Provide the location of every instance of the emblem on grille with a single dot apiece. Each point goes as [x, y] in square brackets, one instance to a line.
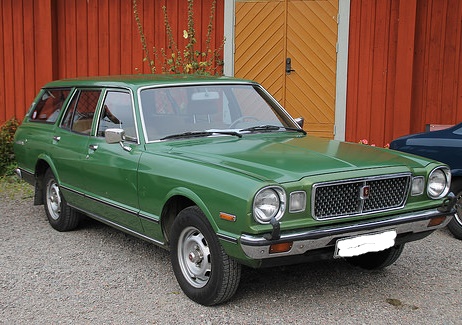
[365, 192]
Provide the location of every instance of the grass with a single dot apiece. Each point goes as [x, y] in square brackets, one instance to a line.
[11, 187]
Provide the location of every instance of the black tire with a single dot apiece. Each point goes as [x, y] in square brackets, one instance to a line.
[455, 225]
[60, 216]
[377, 260]
[205, 273]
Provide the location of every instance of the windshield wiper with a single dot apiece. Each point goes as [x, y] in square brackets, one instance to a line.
[199, 134]
[268, 128]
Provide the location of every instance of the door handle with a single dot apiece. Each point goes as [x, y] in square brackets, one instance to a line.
[93, 147]
[56, 138]
[289, 66]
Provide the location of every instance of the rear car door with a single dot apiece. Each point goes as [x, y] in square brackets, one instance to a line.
[70, 140]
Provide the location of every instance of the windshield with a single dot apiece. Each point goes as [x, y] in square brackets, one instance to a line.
[231, 108]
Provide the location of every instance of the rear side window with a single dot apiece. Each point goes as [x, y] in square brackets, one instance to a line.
[80, 112]
[50, 105]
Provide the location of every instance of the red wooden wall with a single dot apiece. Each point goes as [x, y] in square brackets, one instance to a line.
[25, 55]
[44, 40]
[404, 68]
[437, 87]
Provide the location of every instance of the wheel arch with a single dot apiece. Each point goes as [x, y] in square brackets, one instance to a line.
[180, 199]
[41, 166]
[455, 225]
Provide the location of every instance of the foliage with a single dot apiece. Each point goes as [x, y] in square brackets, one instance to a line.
[366, 142]
[7, 161]
[188, 60]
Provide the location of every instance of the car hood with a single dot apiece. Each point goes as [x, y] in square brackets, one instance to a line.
[449, 137]
[282, 158]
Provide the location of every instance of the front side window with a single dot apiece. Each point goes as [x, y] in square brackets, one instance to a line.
[50, 105]
[79, 115]
[117, 112]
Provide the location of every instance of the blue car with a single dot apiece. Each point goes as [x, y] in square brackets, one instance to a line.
[445, 146]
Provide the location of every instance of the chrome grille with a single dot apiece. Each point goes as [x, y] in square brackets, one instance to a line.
[359, 196]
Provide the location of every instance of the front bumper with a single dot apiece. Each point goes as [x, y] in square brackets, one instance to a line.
[407, 226]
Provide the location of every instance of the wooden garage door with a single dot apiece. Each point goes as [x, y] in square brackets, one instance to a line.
[305, 31]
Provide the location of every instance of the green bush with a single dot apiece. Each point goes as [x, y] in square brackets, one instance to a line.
[7, 161]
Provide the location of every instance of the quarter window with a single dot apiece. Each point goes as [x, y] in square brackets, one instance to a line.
[50, 105]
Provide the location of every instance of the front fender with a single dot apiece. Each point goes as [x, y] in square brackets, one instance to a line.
[189, 194]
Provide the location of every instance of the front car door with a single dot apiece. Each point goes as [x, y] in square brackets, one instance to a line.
[109, 176]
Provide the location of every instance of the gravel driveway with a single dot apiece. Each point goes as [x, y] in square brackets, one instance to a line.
[99, 275]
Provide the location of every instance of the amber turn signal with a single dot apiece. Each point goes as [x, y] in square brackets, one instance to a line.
[227, 217]
[281, 247]
[436, 221]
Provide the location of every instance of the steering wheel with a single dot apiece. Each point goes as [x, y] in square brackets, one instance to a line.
[242, 118]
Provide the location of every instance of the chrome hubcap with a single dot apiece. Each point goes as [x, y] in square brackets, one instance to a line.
[194, 257]
[53, 200]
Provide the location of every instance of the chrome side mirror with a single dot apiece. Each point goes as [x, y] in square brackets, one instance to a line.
[116, 136]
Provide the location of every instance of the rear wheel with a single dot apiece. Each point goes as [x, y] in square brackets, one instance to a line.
[455, 225]
[377, 260]
[60, 216]
[205, 273]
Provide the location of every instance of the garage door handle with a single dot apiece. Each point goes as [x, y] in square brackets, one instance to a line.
[289, 66]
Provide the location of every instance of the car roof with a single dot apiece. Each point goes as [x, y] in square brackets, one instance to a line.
[142, 80]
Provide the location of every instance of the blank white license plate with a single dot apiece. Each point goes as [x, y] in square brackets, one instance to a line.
[354, 246]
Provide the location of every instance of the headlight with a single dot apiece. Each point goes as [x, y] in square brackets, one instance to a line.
[269, 202]
[439, 182]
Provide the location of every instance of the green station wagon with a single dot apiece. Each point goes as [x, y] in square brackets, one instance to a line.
[216, 171]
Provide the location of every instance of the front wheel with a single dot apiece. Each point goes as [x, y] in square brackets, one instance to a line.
[205, 273]
[377, 260]
[60, 216]
[455, 225]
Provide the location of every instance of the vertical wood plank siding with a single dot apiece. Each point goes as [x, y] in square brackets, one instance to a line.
[404, 68]
[44, 40]
[25, 55]
[437, 91]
